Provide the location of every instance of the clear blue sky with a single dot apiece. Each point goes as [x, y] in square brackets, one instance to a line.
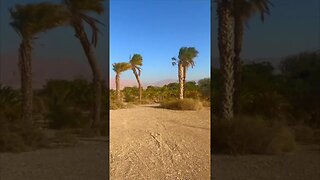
[157, 29]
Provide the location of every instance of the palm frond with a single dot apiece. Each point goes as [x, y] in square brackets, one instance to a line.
[30, 19]
[121, 67]
[136, 60]
[85, 6]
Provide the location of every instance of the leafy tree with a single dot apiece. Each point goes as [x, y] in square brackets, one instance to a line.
[301, 74]
[204, 86]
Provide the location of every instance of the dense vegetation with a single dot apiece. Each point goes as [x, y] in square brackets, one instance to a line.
[273, 106]
[60, 105]
[167, 94]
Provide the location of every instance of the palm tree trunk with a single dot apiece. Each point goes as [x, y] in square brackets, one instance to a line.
[181, 85]
[26, 79]
[139, 83]
[118, 87]
[184, 79]
[97, 77]
[225, 51]
[238, 39]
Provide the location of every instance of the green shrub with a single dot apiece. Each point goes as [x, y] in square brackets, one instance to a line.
[182, 104]
[251, 135]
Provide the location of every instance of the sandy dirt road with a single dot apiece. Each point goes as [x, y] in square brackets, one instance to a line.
[147, 142]
[302, 164]
[85, 161]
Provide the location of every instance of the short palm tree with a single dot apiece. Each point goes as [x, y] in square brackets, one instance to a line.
[118, 69]
[136, 63]
[28, 21]
[226, 54]
[78, 10]
[184, 61]
[242, 11]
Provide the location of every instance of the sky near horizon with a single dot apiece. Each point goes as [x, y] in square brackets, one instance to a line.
[157, 29]
[57, 54]
[293, 26]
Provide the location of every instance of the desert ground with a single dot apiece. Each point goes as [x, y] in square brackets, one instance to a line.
[147, 142]
[87, 160]
[302, 164]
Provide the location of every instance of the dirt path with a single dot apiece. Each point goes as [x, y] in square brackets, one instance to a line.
[153, 143]
[303, 164]
[87, 160]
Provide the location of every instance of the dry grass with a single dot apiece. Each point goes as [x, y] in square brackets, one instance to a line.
[182, 104]
[251, 135]
[303, 134]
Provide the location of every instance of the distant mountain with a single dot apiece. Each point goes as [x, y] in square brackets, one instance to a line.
[162, 82]
[42, 69]
[132, 83]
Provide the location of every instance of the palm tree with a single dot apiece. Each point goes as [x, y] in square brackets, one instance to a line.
[186, 59]
[28, 21]
[118, 69]
[180, 76]
[226, 55]
[77, 13]
[136, 63]
[242, 11]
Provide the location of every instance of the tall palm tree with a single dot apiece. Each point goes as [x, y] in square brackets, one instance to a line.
[180, 76]
[136, 63]
[118, 69]
[184, 61]
[78, 10]
[242, 11]
[225, 39]
[28, 21]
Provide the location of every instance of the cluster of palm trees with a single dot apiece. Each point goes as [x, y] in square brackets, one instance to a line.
[232, 16]
[135, 63]
[31, 19]
[185, 60]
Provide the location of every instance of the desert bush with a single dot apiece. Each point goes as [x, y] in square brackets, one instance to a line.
[251, 135]
[64, 117]
[316, 136]
[117, 105]
[182, 104]
[206, 103]
[18, 136]
[303, 133]
[65, 138]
